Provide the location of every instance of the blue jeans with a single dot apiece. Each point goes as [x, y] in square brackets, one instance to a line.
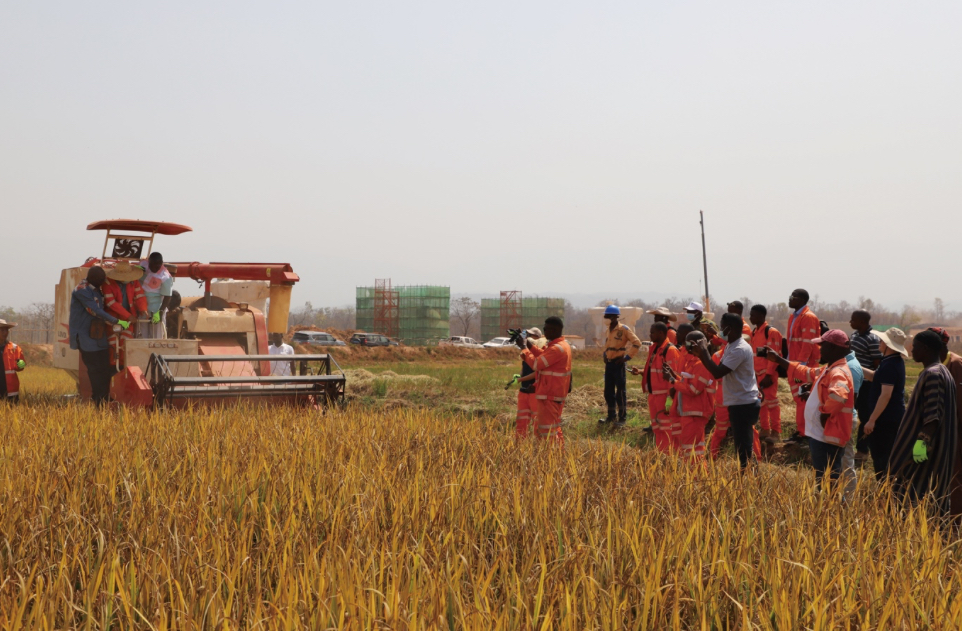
[743, 419]
[826, 455]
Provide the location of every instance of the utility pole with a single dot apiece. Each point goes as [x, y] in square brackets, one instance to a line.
[704, 257]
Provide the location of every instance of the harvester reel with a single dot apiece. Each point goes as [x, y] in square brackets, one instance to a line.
[177, 380]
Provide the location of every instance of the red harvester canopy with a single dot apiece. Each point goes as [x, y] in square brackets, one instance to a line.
[136, 225]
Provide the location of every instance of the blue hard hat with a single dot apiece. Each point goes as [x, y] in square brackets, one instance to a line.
[612, 310]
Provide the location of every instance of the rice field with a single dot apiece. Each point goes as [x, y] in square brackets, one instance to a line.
[404, 518]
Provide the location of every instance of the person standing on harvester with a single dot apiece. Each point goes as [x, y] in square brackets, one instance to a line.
[621, 344]
[157, 284]
[89, 327]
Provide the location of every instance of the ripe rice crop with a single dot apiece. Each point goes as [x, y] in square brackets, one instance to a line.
[250, 517]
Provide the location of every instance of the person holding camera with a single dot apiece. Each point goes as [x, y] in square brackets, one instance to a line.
[552, 365]
[693, 400]
[526, 379]
[621, 344]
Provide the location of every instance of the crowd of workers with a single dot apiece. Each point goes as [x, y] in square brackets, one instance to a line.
[847, 389]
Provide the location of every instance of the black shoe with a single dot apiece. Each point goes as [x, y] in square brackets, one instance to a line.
[617, 426]
[795, 438]
[606, 422]
[648, 430]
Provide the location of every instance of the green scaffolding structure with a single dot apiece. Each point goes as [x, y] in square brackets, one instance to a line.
[424, 313]
[534, 310]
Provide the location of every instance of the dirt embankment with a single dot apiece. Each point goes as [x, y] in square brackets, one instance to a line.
[355, 353]
[38, 355]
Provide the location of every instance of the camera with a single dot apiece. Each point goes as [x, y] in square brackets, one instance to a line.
[518, 336]
[761, 352]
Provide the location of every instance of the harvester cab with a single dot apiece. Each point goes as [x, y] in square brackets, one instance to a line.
[217, 344]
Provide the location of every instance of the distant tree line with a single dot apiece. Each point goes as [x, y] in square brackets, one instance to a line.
[341, 318]
[35, 323]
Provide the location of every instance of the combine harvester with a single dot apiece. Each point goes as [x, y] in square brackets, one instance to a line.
[218, 346]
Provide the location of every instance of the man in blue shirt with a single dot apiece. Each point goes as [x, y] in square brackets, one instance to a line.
[90, 327]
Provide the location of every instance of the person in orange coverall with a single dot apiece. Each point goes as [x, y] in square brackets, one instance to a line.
[552, 364]
[803, 327]
[766, 372]
[124, 299]
[694, 401]
[655, 382]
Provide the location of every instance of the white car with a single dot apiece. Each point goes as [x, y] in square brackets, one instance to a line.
[498, 342]
[460, 341]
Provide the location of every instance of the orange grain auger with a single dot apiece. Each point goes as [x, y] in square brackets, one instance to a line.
[217, 349]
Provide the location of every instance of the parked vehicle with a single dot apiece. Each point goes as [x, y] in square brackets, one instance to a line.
[372, 340]
[460, 341]
[316, 338]
[498, 342]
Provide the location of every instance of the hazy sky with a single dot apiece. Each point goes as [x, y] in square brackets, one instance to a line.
[543, 146]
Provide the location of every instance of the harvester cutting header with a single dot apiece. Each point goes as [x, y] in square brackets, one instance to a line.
[215, 346]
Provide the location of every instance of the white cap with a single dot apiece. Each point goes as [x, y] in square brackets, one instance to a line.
[695, 307]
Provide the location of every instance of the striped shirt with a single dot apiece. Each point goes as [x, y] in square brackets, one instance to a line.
[866, 350]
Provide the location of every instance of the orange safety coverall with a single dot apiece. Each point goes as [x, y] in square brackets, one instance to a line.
[836, 396]
[695, 406]
[685, 360]
[802, 329]
[553, 366]
[722, 421]
[770, 417]
[114, 305]
[12, 354]
[657, 387]
[526, 408]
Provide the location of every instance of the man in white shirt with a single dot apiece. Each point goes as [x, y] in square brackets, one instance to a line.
[157, 283]
[278, 348]
[737, 372]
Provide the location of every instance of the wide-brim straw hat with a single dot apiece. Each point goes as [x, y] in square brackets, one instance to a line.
[7, 325]
[662, 311]
[894, 339]
[124, 272]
